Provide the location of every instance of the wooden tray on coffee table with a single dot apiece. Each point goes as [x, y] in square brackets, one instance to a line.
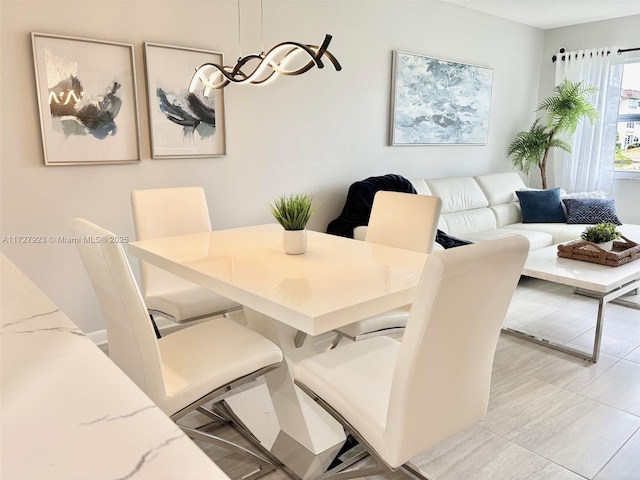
[624, 251]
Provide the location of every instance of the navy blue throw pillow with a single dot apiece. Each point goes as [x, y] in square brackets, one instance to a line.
[591, 211]
[541, 206]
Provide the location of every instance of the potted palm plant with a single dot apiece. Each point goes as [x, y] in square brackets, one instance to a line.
[565, 108]
[293, 213]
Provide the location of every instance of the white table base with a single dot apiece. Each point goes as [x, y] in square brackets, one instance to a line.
[288, 423]
[264, 432]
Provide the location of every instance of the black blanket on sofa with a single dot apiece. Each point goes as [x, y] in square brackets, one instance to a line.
[357, 207]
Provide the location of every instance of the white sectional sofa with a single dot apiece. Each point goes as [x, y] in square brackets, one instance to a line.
[487, 207]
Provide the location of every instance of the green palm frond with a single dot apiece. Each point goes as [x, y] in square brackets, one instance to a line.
[568, 105]
[557, 143]
[565, 109]
[528, 148]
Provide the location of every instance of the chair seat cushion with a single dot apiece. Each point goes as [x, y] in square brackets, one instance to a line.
[387, 321]
[201, 358]
[356, 380]
[189, 303]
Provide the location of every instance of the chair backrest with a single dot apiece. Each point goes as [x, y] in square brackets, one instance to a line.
[165, 212]
[132, 340]
[404, 220]
[442, 377]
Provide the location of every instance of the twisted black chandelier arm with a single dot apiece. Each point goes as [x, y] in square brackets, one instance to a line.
[212, 76]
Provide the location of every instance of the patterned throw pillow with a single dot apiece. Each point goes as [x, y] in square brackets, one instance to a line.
[591, 211]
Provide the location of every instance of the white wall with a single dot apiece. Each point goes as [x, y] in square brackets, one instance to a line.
[316, 133]
[617, 33]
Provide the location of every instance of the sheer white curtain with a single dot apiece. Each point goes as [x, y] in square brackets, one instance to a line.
[590, 166]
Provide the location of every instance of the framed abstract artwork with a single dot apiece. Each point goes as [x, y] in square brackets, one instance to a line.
[183, 123]
[437, 101]
[87, 99]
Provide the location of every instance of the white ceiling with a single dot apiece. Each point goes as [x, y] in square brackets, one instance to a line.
[547, 14]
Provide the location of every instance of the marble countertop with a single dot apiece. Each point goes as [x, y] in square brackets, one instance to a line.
[67, 412]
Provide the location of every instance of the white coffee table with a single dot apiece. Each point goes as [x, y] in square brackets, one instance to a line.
[607, 284]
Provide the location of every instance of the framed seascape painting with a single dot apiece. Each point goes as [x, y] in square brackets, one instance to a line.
[87, 99]
[436, 101]
[183, 124]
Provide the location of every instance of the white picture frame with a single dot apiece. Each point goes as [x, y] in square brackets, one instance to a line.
[439, 102]
[182, 124]
[88, 100]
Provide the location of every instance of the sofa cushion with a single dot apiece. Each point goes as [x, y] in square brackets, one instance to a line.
[591, 211]
[506, 213]
[500, 191]
[560, 232]
[421, 186]
[500, 188]
[457, 193]
[536, 239]
[465, 221]
[541, 206]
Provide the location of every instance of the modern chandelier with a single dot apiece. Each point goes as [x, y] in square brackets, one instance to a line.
[283, 59]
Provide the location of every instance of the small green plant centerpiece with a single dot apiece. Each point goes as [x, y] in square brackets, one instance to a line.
[602, 234]
[293, 213]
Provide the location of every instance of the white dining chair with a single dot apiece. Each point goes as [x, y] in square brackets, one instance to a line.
[182, 371]
[401, 220]
[400, 398]
[165, 212]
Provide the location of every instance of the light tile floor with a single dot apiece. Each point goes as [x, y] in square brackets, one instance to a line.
[551, 415]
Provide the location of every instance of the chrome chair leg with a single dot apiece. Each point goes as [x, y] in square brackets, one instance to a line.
[335, 341]
[357, 473]
[264, 465]
[216, 419]
[413, 472]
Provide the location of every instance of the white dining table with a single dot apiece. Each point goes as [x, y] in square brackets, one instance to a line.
[337, 281]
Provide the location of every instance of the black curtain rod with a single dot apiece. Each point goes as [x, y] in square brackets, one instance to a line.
[620, 51]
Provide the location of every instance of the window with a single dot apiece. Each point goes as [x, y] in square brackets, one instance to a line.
[627, 156]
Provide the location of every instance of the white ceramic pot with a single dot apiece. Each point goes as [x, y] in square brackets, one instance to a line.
[294, 242]
[608, 246]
